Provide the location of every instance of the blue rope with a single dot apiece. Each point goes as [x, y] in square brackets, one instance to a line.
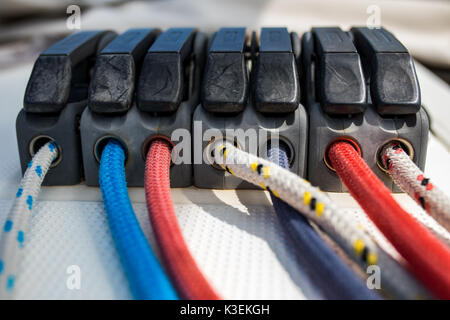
[328, 272]
[145, 275]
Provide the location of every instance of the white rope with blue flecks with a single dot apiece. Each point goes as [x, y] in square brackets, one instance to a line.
[14, 231]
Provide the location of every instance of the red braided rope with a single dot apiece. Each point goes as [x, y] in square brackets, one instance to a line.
[427, 257]
[180, 265]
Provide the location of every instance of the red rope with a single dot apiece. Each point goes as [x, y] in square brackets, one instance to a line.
[181, 266]
[428, 258]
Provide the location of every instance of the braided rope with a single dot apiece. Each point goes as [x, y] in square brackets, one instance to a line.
[330, 274]
[427, 257]
[318, 207]
[145, 275]
[16, 227]
[181, 266]
[412, 180]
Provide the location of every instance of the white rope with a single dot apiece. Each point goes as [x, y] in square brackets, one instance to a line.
[412, 180]
[15, 230]
[318, 207]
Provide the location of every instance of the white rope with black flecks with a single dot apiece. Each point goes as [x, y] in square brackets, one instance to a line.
[318, 207]
[15, 230]
[411, 179]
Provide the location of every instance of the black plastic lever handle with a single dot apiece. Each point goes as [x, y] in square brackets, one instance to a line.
[113, 82]
[229, 40]
[53, 75]
[161, 84]
[340, 82]
[225, 82]
[133, 42]
[276, 86]
[393, 81]
[275, 40]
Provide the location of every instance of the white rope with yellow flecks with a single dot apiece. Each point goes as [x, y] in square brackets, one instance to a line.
[318, 207]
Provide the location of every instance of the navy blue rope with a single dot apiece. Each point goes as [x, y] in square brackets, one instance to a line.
[145, 275]
[328, 272]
